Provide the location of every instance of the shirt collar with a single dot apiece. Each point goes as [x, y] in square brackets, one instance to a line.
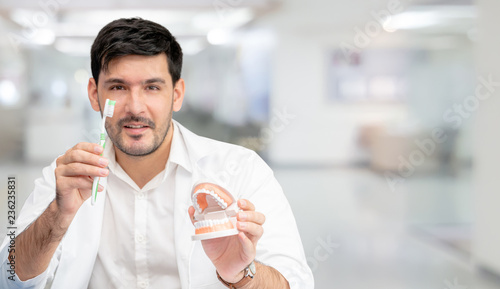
[178, 150]
[190, 148]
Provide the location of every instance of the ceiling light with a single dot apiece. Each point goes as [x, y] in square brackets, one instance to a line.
[8, 93]
[44, 37]
[219, 37]
[423, 16]
[411, 20]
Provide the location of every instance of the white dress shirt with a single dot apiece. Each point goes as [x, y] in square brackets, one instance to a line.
[141, 238]
[137, 239]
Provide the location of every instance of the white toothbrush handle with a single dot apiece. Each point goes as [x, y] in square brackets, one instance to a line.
[95, 185]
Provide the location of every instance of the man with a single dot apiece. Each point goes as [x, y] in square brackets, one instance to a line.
[138, 235]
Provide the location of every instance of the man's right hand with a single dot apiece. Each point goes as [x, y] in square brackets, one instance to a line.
[75, 173]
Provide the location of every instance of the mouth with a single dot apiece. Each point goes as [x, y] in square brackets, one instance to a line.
[214, 208]
[135, 128]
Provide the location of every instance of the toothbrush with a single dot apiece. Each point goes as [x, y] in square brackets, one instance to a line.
[109, 109]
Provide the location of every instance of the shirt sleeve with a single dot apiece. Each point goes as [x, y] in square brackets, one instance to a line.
[9, 278]
[35, 205]
[280, 246]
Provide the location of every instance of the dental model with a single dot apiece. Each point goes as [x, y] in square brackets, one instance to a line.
[109, 109]
[215, 212]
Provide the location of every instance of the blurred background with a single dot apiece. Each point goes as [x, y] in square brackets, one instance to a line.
[378, 117]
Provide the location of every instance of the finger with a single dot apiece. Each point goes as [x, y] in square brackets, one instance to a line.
[79, 169]
[83, 146]
[247, 245]
[251, 216]
[86, 192]
[66, 184]
[191, 214]
[88, 147]
[252, 230]
[81, 156]
[246, 205]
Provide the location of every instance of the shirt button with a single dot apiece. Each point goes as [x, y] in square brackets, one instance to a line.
[140, 196]
[139, 238]
[143, 284]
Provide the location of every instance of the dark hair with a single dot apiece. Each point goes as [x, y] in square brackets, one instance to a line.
[134, 36]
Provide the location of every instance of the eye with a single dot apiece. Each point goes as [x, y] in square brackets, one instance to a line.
[117, 87]
[152, 87]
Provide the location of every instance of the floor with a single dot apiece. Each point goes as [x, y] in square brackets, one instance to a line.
[358, 232]
[416, 235]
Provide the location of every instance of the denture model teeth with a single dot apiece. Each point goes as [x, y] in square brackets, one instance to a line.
[208, 226]
[215, 212]
[200, 205]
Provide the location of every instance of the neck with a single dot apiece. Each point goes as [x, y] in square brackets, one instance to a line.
[144, 168]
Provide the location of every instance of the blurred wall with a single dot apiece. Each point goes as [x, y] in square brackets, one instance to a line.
[303, 116]
[307, 33]
[487, 139]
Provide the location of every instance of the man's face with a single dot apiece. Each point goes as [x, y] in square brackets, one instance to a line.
[145, 99]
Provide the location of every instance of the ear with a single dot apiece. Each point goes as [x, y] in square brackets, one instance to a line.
[93, 96]
[179, 89]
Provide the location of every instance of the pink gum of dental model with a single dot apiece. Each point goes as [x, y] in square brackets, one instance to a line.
[215, 212]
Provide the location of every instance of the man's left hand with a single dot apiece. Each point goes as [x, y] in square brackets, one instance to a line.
[231, 255]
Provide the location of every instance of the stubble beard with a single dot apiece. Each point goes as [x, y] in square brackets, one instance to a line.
[117, 136]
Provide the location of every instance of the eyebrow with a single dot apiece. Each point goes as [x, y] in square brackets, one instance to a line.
[154, 80]
[121, 81]
[114, 80]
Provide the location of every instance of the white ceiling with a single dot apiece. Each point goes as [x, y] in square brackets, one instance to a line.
[131, 4]
[71, 24]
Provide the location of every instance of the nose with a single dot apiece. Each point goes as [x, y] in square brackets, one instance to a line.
[135, 103]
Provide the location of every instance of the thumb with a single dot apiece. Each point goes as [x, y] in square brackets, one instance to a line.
[191, 214]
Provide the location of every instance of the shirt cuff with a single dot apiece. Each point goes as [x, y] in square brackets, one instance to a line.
[33, 283]
[10, 280]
